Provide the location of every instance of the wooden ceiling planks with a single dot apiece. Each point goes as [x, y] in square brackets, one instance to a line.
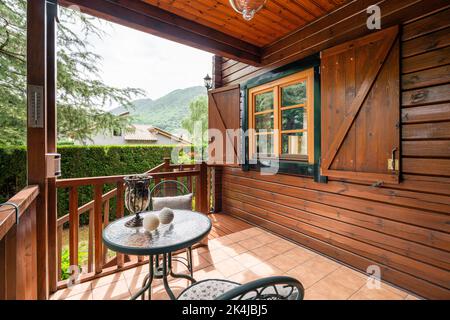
[277, 19]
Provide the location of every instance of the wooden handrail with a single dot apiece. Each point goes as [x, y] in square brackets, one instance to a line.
[23, 200]
[105, 197]
[89, 181]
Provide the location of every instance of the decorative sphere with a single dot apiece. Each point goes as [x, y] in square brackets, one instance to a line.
[150, 222]
[166, 215]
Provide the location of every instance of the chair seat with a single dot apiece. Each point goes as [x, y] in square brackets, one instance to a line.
[207, 289]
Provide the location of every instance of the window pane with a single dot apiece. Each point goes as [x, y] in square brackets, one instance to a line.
[294, 119]
[264, 122]
[293, 94]
[294, 143]
[264, 101]
[264, 145]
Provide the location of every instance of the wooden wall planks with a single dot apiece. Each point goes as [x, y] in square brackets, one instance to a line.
[402, 228]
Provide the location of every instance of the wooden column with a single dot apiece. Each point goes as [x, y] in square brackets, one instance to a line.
[52, 12]
[216, 182]
[37, 137]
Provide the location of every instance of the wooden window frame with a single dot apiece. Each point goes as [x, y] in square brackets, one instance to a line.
[276, 86]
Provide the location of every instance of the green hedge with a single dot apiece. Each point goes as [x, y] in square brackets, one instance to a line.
[80, 161]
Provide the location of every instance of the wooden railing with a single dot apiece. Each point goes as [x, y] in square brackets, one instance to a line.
[18, 254]
[99, 212]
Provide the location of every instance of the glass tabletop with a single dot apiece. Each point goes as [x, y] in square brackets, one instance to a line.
[187, 228]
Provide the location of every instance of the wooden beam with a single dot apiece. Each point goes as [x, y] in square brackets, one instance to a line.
[37, 137]
[217, 71]
[151, 19]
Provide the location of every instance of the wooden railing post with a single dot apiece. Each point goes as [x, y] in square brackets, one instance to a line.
[166, 164]
[98, 224]
[59, 249]
[105, 223]
[91, 240]
[201, 189]
[120, 208]
[73, 226]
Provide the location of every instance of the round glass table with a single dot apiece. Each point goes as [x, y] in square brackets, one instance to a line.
[187, 228]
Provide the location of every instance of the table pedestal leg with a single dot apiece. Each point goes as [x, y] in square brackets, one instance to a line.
[158, 271]
[147, 283]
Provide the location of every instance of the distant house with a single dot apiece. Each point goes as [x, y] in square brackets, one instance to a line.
[142, 134]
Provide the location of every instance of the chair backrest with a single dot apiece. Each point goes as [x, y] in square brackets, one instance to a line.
[271, 288]
[169, 189]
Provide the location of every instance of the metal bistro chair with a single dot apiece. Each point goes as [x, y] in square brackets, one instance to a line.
[173, 190]
[271, 288]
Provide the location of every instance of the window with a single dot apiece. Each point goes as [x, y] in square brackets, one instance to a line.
[281, 115]
[117, 132]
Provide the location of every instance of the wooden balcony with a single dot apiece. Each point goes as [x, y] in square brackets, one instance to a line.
[374, 191]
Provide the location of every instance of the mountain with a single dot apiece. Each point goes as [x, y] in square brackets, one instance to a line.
[166, 112]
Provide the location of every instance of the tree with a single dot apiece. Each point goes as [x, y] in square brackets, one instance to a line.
[196, 124]
[198, 115]
[81, 93]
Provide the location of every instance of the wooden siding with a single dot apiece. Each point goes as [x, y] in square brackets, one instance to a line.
[404, 228]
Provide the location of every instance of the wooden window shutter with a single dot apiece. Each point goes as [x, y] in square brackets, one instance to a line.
[223, 114]
[361, 108]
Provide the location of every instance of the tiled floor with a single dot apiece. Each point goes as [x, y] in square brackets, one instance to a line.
[242, 257]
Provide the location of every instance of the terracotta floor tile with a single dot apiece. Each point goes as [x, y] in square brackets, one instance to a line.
[265, 269]
[411, 297]
[220, 242]
[113, 291]
[135, 283]
[309, 274]
[130, 273]
[248, 259]
[229, 267]
[250, 243]
[281, 245]
[234, 249]
[266, 238]
[322, 264]
[244, 276]
[209, 272]
[254, 231]
[81, 296]
[200, 250]
[215, 256]
[395, 290]
[348, 278]
[74, 290]
[383, 293]
[265, 252]
[284, 262]
[239, 236]
[300, 254]
[329, 288]
[99, 282]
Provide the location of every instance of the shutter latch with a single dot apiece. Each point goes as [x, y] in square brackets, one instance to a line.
[393, 164]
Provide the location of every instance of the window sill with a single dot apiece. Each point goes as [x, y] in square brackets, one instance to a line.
[302, 168]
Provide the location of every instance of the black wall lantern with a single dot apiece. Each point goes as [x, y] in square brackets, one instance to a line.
[208, 82]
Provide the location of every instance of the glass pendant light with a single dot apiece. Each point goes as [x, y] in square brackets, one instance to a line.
[247, 8]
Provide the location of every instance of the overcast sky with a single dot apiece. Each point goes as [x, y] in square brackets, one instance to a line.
[136, 59]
